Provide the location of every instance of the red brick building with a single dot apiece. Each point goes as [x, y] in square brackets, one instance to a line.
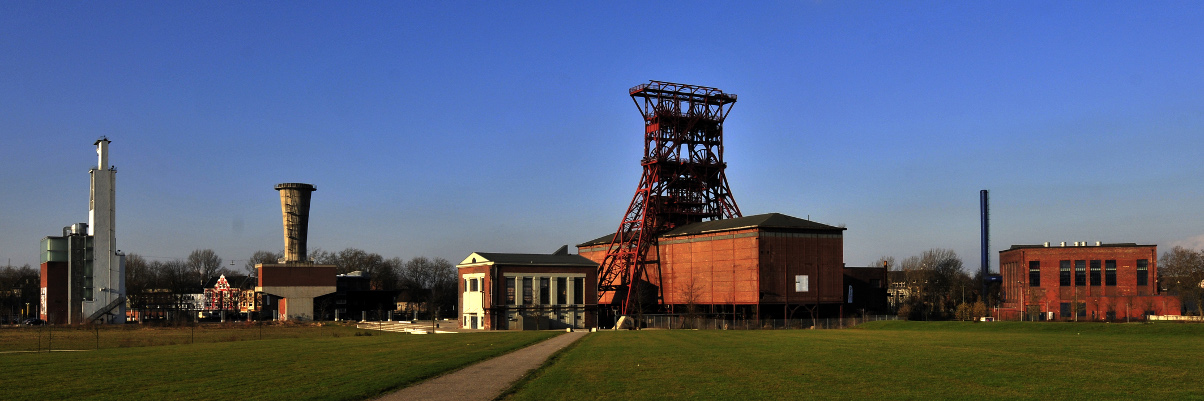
[757, 265]
[55, 305]
[522, 291]
[1100, 281]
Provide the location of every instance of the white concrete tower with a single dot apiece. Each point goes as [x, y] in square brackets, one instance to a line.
[104, 288]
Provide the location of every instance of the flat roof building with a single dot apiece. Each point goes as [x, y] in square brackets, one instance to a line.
[1082, 282]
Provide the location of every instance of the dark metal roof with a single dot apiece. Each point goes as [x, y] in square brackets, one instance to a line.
[605, 239]
[536, 259]
[767, 220]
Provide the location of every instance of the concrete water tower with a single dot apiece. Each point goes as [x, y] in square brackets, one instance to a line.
[295, 280]
[294, 208]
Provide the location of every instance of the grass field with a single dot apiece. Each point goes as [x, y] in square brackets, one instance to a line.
[34, 338]
[883, 360]
[320, 363]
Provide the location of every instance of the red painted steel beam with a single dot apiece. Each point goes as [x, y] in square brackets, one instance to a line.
[683, 181]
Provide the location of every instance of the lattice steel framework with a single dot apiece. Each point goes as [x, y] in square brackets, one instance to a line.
[682, 183]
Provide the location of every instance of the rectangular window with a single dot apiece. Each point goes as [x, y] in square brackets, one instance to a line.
[1143, 272]
[579, 290]
[545, 288]
[1080, 273]
[1095, 273]
[474, 284]
[466, 285]
[509, 290]
[528, 293]
[562, 290]
[801, 283]
[1034, 273]
[1064, 273]
[1110, 272]
[88, 296]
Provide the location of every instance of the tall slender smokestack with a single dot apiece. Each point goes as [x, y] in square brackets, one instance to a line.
[985, 210]
[294, 206]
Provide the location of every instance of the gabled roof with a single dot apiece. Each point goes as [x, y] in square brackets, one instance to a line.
[527, 259]
[605, 239]
[233, 280]
[767, 220]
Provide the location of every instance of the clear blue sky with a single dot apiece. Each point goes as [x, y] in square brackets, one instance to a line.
[441, 130]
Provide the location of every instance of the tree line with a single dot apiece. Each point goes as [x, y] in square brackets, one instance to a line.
[19, 293]
[938, 287]
[425, 279]
[1181, 274]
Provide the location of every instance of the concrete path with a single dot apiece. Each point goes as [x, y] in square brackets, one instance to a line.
[486, 380]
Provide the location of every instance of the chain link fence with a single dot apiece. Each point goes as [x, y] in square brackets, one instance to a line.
[703, 323]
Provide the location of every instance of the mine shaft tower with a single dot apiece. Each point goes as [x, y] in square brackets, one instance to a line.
[683, 181]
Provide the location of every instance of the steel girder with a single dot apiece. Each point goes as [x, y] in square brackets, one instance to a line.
[683, 181]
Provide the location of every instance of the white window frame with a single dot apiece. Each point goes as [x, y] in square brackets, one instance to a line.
[480, 279]
[518, 287]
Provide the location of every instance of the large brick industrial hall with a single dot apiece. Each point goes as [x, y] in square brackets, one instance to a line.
[762, 265]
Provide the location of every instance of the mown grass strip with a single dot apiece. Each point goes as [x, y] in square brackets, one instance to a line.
[320, 368]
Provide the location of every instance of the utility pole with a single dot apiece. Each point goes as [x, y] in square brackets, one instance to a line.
[1023, 300]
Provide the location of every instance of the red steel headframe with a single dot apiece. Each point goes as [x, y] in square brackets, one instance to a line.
[683, 180]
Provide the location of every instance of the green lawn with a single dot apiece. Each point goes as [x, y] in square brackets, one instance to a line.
[314, 365]
[884, 360]
[34, 338]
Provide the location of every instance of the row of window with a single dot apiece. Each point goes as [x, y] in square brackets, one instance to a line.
[529, 296]
[1081, 272]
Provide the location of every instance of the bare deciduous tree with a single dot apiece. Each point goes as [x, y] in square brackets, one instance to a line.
[691, 293]
[932, 278]
[886, 261]
[204, 264]
[261, 257]
[1181, 271]
[352, 259]
[19, 293]
[139, 277]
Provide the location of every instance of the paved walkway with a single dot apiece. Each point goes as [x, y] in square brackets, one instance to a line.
[486, 380]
